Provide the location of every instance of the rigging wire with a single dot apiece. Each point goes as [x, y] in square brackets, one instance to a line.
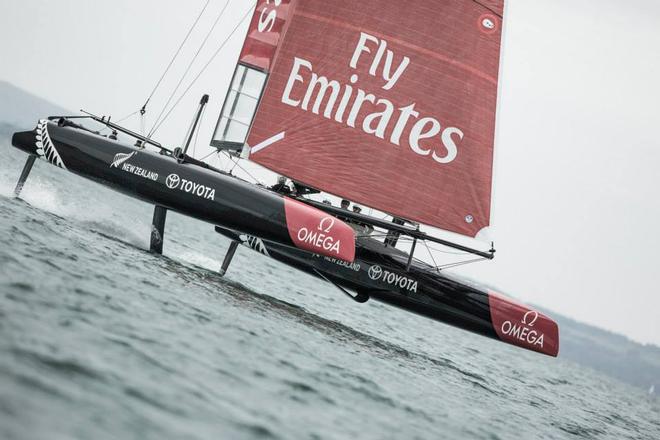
[435, 263]
[127, 117]
[410, 239]
[450, 265]
[237, 164]
[143, 110]
[209, 155]
[185, 92]
[119, 121]
[460, 263]
[190, 65]
[435, 249]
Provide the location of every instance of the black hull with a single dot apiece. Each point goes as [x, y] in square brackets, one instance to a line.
[367, 266]
[187, 188]
[380, 273]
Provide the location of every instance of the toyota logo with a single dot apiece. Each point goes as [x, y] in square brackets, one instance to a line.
[173, 181]
[375, 272]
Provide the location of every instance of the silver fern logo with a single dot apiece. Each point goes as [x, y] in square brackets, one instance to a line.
[45, 147]
[120, 158]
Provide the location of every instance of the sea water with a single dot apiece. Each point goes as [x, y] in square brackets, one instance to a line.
[99, 339]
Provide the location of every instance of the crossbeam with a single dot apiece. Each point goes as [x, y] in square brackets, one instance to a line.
[404, 230]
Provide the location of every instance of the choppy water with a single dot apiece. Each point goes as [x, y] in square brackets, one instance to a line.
[100, 339]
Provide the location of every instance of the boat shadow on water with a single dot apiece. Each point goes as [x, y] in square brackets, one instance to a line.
[245, 297]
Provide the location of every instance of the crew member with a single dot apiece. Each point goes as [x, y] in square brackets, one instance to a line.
[364, 227]
[281, 186]
[393, 236]
[345, 204]
[303, 190]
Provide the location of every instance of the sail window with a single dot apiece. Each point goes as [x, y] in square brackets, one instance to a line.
[239, 108]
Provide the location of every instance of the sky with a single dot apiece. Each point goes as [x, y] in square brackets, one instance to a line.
[576, 204]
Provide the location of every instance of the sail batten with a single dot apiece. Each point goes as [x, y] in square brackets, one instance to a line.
[390, 104]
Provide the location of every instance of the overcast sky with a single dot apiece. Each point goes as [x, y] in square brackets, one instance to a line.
[576, 204]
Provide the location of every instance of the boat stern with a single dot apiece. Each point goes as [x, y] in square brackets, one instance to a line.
[520, 325]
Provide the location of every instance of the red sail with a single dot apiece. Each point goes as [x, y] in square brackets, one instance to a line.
[387, 103]
[266, 29]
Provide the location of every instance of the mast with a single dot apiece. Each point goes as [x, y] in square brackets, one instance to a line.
[179, 153]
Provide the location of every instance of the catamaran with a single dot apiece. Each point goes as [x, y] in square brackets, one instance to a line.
[388, 104]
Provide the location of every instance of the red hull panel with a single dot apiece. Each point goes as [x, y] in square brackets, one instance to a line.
[520, 325]
[315, 231]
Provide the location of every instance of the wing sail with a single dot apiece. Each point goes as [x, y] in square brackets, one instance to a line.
[390, 104]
